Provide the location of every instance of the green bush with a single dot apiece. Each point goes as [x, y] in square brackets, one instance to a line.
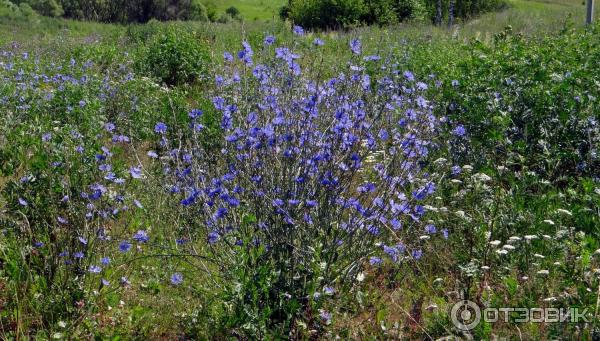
[26, 9]
[197, 11]
[49, 8]
[326, 14]
[224, 18]
[8, 9]
[233, 11]
[134, 10]
[533, 106]
[175, 57]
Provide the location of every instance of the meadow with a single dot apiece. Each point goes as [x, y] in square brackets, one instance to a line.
[255, 180]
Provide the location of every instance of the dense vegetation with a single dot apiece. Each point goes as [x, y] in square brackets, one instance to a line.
[124, 11]
[307, 13]
[183, 180]
[348, 13]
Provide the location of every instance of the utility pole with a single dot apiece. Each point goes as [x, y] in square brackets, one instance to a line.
[590, 12]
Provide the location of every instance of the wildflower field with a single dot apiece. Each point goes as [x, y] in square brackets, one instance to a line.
[258, 180]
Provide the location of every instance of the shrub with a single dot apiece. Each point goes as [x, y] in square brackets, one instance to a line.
[530, 105]
[314, 179]
[175, 56]
[224, 18]
[347, 13]
[134, 10]
[233, 11]
[197, 11]
[26, 10]
[50, 8]
[326, 14]
[9, 9]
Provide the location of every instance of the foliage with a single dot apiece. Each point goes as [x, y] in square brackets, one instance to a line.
[326, 14]
[175, 56]
[233, 11]
[332, 14]
[140, 11]
[512, 222]
[531, 108]
[66, 195]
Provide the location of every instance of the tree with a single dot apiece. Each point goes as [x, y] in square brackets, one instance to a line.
[233, 11]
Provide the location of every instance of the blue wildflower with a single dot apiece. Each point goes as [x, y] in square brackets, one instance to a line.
[375, 261]
[355, 46]
[176, 278]
[124, 246]
[459, 130]
[136, 172]
[95, 269]
[269, 40]
[298, 30]
[213, 237]
[141, 236]
[160, 128]
[430, 228]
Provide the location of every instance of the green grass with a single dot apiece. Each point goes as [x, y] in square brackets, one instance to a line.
[426, 49]
[252, 9]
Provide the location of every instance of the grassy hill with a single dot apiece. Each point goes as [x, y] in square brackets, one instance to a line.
[252, 9]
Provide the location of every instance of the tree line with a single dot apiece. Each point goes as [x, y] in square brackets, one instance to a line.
[123, 11]
[334, 14]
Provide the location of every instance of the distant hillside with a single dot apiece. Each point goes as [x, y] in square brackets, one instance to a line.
[250, 9]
